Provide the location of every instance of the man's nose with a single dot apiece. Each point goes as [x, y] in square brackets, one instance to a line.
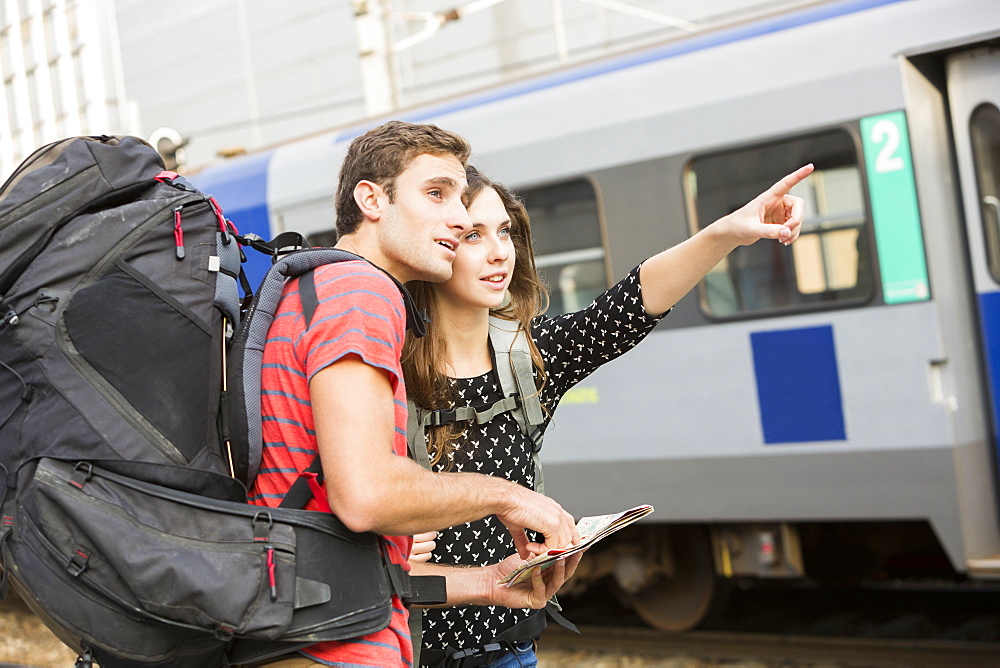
[459, 218]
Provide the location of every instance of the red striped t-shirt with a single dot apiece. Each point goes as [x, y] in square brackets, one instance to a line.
[360, 312]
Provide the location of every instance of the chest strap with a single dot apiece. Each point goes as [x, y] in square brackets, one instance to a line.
[418, 419]
[514, 369]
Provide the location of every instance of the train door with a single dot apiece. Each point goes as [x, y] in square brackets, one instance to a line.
[974, 95]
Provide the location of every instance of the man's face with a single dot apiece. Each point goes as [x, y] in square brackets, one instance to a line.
[421, 227]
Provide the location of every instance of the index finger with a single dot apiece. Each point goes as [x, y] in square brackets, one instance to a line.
[569, 525]
[565, 537]
[520, 542]
[535, 549]
[789, 181]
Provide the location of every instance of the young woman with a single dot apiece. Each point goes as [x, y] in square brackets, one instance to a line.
[453, 366]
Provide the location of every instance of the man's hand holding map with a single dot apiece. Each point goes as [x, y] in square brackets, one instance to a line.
[592, 529]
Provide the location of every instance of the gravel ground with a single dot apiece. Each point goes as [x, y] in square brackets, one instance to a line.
[25, 640]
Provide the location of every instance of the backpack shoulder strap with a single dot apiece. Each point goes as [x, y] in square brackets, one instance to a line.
[248, 346]
[248, 354]
[307, 296]
[514, 369]
[415, 434]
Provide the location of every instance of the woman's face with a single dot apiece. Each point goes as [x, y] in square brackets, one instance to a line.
[484, 259]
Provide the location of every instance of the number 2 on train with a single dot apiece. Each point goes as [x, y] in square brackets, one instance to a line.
[886, 133]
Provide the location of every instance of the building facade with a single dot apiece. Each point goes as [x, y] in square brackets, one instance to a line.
[62, 75]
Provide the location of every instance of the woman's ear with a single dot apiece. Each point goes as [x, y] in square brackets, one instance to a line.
[368, 196]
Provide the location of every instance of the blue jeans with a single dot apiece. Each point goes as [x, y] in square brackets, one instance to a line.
[523, 656]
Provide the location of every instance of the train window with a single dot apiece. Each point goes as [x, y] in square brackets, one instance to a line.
[566, 233]
[831, 261]
[985, 130]
[314, 220]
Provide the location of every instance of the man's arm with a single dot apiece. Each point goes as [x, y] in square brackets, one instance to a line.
[372, 489]
[478, 585]
[774, 214]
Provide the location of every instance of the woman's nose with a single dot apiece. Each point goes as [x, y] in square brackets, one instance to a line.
[500, 250]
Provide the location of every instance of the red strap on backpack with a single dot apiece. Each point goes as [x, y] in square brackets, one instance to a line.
[317, 491]
[307, 484]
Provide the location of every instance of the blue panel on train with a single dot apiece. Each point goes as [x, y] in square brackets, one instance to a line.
[989, 307]
[798, 386]
[240, 187]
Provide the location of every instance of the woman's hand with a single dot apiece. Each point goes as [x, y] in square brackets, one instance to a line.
[536, 591]
[423, 545]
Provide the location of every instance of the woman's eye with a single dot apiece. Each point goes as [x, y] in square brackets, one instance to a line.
[472, 236]
[505, 232]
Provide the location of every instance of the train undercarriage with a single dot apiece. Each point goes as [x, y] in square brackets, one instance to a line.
[678, 577]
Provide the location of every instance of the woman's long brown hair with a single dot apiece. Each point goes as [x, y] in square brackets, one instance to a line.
[426, 385]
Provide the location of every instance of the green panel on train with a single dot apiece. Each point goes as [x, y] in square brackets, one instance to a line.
[894, 208]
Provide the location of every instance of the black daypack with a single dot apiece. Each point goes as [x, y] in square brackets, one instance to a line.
[124, 526]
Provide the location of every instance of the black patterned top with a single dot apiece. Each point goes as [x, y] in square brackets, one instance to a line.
[573, 346]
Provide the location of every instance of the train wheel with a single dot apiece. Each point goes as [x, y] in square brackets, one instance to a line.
[693, 595]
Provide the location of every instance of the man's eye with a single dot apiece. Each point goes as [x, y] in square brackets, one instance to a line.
[435, 193]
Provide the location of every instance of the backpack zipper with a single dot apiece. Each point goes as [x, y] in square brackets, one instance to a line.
[178, 232]
[178, 221]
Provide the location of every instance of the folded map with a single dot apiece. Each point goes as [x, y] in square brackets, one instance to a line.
[591, 530]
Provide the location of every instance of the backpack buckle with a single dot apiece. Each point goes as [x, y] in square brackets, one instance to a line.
[8, 525]
[262, 523]
[475, 656]
[443, 416]
[85, 660]
[77, 564]
[224, 633]
[82, 472]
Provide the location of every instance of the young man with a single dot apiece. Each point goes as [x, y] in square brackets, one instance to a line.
[336, 388]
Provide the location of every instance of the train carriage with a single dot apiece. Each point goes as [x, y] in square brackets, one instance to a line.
[824, 412]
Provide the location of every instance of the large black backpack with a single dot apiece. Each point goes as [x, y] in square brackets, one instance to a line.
[125, 444]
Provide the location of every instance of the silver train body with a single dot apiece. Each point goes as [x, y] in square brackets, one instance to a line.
[826, 411]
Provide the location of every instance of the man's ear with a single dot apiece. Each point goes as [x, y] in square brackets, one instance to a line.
[369, 197]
